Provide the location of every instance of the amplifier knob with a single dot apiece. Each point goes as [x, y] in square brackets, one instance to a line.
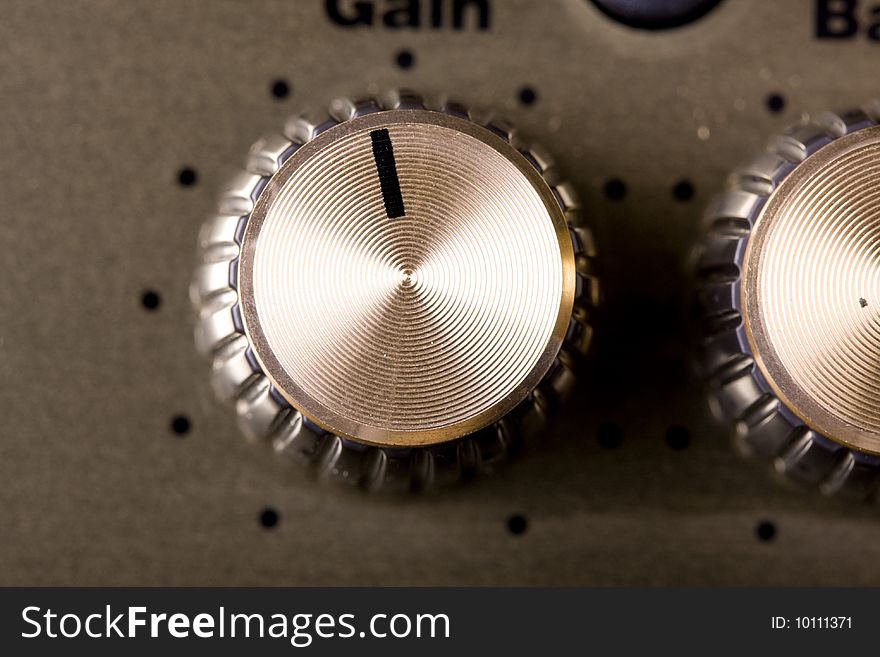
[394, 293]
[789, 291]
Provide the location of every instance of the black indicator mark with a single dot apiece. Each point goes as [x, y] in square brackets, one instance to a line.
[383, 154]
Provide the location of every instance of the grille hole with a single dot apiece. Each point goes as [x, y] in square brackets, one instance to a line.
[269, 518]
[775, 103]
[151, 300]
[280, 89]
[405, 59]
[528, 96]
[766, 531]
[615, 189]
[683, 191]
[517, 524]
[180, 424]
[187, 177]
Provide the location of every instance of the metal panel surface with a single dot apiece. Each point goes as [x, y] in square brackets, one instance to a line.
[106, 102]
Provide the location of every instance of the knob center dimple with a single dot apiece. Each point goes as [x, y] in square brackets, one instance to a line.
[407, 278]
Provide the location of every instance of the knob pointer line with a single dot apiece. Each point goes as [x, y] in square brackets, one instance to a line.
[386, 168]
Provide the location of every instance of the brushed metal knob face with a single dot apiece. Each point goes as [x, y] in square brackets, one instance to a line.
[811, 290]
[406, 278]
[788, 284]
[395, 294]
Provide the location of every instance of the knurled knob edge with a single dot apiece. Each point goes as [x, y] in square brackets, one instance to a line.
[262, 412]
[738, 392]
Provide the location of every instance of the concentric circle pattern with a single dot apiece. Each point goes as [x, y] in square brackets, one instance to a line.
[812, 290]
[415, 329]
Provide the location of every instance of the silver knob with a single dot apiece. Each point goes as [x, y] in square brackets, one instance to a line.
[789, 287]
[394, 293]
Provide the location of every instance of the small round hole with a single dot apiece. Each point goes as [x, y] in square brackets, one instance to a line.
[405, 59]
[683, 190]
[766, 531]
[528, 96]
[517, 524]
[151, 300]
[775, 103]
[610, 436]
[615, 189]
[187, 177]
[280, 89]
[180, 424]
[269, 518]
[678, 437]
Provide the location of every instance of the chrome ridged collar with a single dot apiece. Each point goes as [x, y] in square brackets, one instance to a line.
[761, 315]
[266, 413]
